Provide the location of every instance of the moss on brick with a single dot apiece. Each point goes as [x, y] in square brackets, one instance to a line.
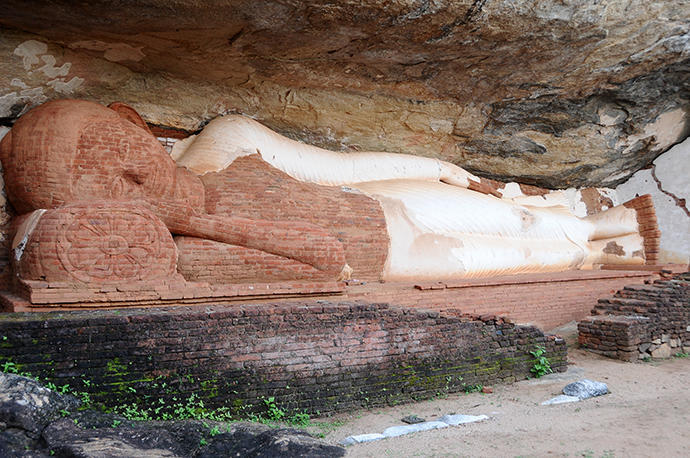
[313, 357]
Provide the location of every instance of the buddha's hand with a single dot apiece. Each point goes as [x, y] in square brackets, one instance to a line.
[457, 176]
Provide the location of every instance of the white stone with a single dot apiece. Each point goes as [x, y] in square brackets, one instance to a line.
[561, 399]
[664, 351]
[361, 438]
[395, 431]
[665, 337]
[455, 420]
[585, 389]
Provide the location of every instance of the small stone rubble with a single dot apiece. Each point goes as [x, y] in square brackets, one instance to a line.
[412, 419]
[578, 391]
[584, 389]
[38, 422]
[401, 430]
[641, 322]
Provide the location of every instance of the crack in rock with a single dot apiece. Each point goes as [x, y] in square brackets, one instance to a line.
[680, 202]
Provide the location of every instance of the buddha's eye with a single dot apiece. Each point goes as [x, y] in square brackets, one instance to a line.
[133, 177]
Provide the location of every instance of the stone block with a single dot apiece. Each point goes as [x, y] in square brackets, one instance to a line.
[585, 388]
[459, 419]
[663, 351]
[395, 431]
[361, 438]
[561, 399]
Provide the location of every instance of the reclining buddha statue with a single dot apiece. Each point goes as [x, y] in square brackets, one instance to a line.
[101, 201]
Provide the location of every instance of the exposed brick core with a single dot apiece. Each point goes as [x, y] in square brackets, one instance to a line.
[98, 243]
[67, 151]
[168, 132]
[641, 321]
[320, 357]
[649, 227]
[250, 187]
[215, 262]
[594, 201]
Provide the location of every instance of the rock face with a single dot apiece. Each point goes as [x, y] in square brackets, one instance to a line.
[554, 93]
[667, 182]
[33, 423]
[26, 405]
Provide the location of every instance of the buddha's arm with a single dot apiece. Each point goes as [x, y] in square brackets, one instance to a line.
[227, 138]
[298, 240]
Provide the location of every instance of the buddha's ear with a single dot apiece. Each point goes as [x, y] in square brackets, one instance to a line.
[130, 114]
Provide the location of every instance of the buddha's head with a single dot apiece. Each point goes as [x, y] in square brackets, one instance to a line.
[73, 150]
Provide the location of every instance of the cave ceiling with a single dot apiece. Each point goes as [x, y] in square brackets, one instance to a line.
[556, 93]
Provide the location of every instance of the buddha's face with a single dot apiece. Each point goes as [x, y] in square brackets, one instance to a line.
[117, 160]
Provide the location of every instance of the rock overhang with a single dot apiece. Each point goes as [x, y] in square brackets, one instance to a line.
[556, 94]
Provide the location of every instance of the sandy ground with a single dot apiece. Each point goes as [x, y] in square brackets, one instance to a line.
[646, 414]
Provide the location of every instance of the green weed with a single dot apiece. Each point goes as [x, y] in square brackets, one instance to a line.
[542, 366]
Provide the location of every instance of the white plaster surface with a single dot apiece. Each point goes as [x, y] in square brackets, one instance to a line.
[29, 52]
[228, 137]
[673, 172]
[665, 130]
[48, 77]
[438, 228]
[402, 430]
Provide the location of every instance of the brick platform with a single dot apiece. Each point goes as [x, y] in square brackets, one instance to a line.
[315, 356]
[42, 296]
[545, 300]
[641, 321]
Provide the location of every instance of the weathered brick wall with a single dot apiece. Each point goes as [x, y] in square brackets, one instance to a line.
[318, 356]
[641, 321]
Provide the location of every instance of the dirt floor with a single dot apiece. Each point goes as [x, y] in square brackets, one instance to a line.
[646, 414]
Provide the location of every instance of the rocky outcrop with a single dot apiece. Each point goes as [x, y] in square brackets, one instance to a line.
[667, 182]
[38, 422]
[554, 93]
